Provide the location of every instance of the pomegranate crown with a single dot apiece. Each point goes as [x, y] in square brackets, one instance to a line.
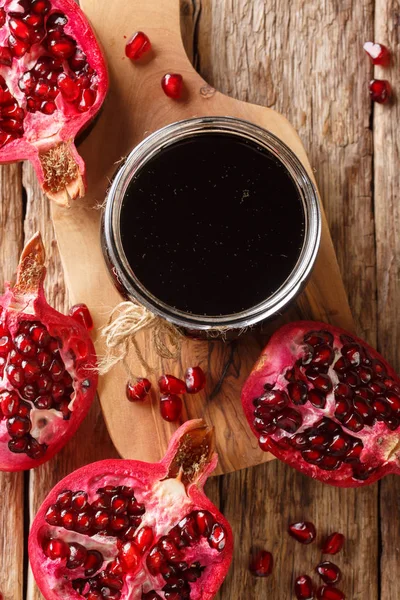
[31, 270]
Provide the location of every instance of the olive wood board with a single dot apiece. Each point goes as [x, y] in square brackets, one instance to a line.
[135, 107]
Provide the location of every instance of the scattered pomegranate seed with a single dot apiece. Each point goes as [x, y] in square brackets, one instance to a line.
[378, 53]
[303, 532]
[379, 90]
[329, 572]
[81, 313]
[195, 380]
[170, 407]
[303, 588]
[138, 45]
[172, 84]
[136, 392]
[326, 592]
[333, 543]
[169, 384]
[261, 565]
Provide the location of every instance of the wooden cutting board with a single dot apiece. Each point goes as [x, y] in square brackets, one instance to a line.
[135, 107]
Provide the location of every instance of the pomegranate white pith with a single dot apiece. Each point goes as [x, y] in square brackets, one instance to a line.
[183, 558]
[53, 80]
[326, 403]
[47, 369]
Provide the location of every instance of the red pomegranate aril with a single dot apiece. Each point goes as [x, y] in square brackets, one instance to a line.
[380, 90]
[172, 84]
[56, 21]
[93, 562]
[78, 61]
[169, 550]
[261, 565]
[155, 561]
[48, 108]
[9, 403]
[53, 515]
[170, 407]
[64, 47]
[118, 522]
[143, 539]
[2, 17]
[195, 380]
[298, 392]
[79, 500]
[101, 520]
[18, 427]
[83, 522]
[87, 100]
[79, 312]
[17, 47]
[55, 549]
[118, 504]
[77, 556]
[320, 381]
[129, 556]
[303, 532]
[217, 537]
[326, 592]
[137, 392]
[378, 53]
[168, 384]
[204, 522]
[289, 420]
[68, 519]
[274, 398]
[5, 56]
[317, 398]
[64, 499]
[41, 7]
[137, 46]
[303, 588]
[329, 572]
[19, 29]
[333, 543]
[322, 356]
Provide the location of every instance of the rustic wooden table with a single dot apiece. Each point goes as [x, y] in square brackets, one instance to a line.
[305, 59]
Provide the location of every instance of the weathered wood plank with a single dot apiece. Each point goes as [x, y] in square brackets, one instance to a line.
[305, 59]
[11, 484]
[387, 219]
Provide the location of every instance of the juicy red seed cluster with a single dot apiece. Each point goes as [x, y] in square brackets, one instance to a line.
[261, 564]
[31, 363]
[166, 557]
[364, 395]
[61, 66]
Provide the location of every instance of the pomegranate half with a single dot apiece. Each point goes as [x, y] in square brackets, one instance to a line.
[53, 80]
[134, 530]
[47, 369]
[325, 402]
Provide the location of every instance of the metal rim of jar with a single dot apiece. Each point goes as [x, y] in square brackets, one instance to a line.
[161, 139]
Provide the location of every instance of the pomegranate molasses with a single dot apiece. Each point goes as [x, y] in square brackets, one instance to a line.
[212, 224]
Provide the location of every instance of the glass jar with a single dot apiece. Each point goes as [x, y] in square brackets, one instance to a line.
[122, 273]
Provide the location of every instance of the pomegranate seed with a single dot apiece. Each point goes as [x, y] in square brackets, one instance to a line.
[48, 108]
[155, 561]
[67, 519]
[17, 47]
[329, 572]
[172, 84]
[41, 7]
[64, 499]
[298, 392]
[379, 90]
[5, 344]
[170, 407]
[169, 384]
[83, 522]
[326, 592]
[289, 420]
[19, 445]
[261, 565]
[378, 53]
[303, 532]
[333, 543]
[19, 29]
[303, 588]
[5, 56]
[78, 61]
[64, 47]
[217, 538]
[53, 515]
[118, 522]
[317, 398]
[77, 556]
[55, 549]
[2, 17]
[143, 539]
[274, 398]
[79, 500]
[169, 550]
[195, 380]
[118, 504]
[93, 562]
[315, 338]
[79, 312]
[101, 520]
[204, 522]
[136, 392]
[129, 556]
[18, 427]
[138, 45]
[9, 403]
[87, 100]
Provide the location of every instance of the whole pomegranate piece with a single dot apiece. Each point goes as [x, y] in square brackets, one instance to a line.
[53, 82]
[47, 369]
[145, 531]
[325, 402]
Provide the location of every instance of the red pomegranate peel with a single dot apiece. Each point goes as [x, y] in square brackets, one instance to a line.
[47, 369]
[44, 122]
[189, 539]
[346, 441]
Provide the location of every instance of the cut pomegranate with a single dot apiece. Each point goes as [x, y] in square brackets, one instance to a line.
[333, 543]
[261, 564]
[169, 384]
[326, 592]
[380, 90]
[81, 313]
[195, 380]
[47, 48]
[172, 84]
[48, 378]
[151, 533]
[349, 440]
[329, 572]
[378, 53]
[303, 532]
[138, 45]
[170, 407]
[137, 392]
[303, 588]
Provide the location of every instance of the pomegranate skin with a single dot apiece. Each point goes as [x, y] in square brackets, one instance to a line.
[169, 492]
[287, 360]
[49, 125]
[24, 303]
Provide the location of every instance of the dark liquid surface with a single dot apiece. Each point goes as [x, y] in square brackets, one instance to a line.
[212, 225]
